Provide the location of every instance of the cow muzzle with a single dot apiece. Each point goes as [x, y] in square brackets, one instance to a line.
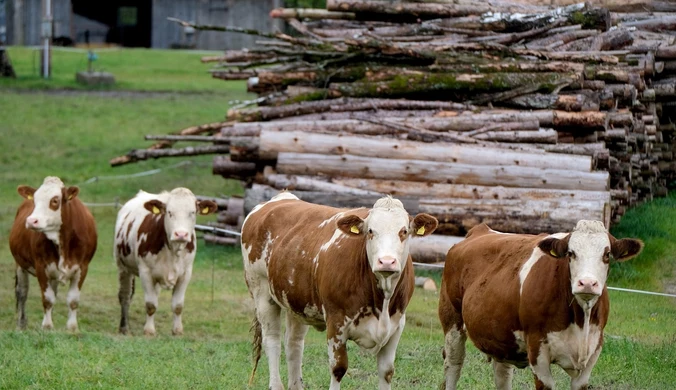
[33, 223]
[180, 236]
[587, 289]
[386, 266]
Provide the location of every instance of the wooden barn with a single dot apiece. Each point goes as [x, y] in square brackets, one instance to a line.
[139, 23]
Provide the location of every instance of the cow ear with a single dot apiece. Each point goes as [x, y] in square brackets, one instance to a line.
[26, 192]
[205, 207]
[423, 225]
[351, 225]
[155, 206]
[625, 249]
[71, 192]
[555, 247]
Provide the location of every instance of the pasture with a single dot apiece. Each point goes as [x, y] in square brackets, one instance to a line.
[74, 135]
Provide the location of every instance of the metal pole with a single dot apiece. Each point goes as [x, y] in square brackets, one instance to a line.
[47, 35]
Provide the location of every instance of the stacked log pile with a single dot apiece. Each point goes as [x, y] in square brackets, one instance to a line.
[527, 117]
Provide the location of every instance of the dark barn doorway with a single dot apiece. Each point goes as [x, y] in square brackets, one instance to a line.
[129, 21]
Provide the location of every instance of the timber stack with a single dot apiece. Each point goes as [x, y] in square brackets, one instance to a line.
[528, 117]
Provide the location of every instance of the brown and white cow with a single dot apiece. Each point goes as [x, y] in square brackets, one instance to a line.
[344, 271]
[155, 240]
[530, 300]
[53, 238]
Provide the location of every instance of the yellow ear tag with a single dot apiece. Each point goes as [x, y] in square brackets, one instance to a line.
[205, 210]
[354, 230]
[29, 197]
[551, 252]
[70, 197]
[420, 231]
[625, 253]
[156, 210]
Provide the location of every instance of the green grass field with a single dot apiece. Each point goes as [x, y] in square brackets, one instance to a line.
[134, 69]
[74, 136]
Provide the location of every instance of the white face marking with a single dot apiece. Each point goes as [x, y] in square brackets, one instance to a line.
[180, 215]
[588, 244]
[534, 257]
[382, 227]
[43, 218]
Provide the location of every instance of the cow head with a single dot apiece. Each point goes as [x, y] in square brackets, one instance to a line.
[588, 250]
[49, 200]
[179, 213]
[387, 230]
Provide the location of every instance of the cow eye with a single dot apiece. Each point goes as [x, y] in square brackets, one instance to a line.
[370, 231]
[169, 213]
[571, 254]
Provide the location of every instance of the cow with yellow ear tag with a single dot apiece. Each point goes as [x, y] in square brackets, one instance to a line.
[155, 240]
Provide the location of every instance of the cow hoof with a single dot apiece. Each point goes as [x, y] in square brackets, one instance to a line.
[149, 332]
[47, 327]
[124, 331]
[177, 332]
[72, 327]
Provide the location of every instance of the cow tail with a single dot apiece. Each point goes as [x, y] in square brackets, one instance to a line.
[256, 345]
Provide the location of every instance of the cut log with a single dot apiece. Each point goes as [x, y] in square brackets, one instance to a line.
[583, 101]
[416, 10]
[432, 248]
[188, 138]
[233, 170]
[338, 105]
[426, 283]
[272, 143]
[144, 154]
[262, 193]
[544, 136]
[464, 191]
[437, 172]
[517, 216]
[435, 85]
[309, 13]
[219, 240]
[304, 183]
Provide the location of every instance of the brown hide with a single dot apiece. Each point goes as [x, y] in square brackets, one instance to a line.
[156, 239]
[343, 283]
[480, 289]
[77, 238]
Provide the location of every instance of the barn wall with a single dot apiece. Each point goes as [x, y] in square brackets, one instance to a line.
[241, 13]
[24, 19]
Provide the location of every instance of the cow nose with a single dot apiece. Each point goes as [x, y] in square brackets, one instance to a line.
[588, 286]
[181, 236]
[386, 264]
[32, 221]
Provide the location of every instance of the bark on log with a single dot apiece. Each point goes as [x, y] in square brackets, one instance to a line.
[188, 138]
[422, 11]
[272, 143]
[587, 101]
[431, 85]
[545, 136]
[437, 172]
[338, 105]
[304, 183]
[262, 193]
[144, 154]
[219, 240]
[442, 190]
[233, 170]
[516, 216]
[432, 248]
[309, 13]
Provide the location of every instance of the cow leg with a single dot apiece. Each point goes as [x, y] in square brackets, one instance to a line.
[48, 296]
[295, 342]
[151, 291]
[502, 373]
[177, 299]
[582, 381]
[269, 316]
[21, 289]
[73, 297]
[337, 343]
[538, 357]
[124, 295]
[454, 354]
[386, 357]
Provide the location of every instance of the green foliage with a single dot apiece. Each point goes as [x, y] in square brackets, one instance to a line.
[305, 4]
[134, 69]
